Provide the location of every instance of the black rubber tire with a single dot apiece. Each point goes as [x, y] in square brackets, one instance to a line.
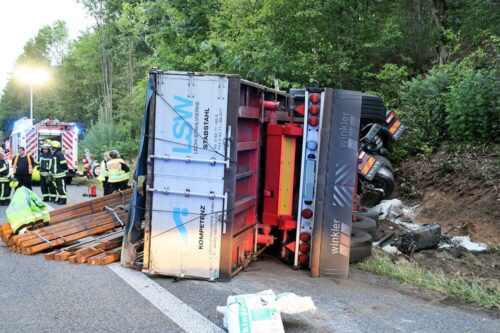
[373, 109]
[373, 214]
[96, 170]
[361, 246]
[384, 179]
[365, 224]
[385, 162]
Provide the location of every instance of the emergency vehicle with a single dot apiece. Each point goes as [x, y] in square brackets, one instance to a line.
[32, 137]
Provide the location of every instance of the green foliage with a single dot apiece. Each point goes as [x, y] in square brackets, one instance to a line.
[105, 136]
[390, 79]
[361, 45]
[423, 108]
[458, 101]
[474, 107]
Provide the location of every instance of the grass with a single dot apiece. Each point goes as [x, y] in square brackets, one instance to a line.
[495, 249]
[405, 271]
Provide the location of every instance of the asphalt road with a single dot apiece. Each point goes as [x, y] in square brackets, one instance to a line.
[41, 296]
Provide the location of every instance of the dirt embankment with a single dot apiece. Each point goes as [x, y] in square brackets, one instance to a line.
[458, 188]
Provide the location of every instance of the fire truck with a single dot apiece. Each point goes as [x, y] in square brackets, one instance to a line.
[32, 137]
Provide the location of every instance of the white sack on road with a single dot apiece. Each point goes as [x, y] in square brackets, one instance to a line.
[261, 312]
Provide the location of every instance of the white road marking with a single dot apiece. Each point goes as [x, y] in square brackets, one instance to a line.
[182, 314]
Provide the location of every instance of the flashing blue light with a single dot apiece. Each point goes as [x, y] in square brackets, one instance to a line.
[77, 130]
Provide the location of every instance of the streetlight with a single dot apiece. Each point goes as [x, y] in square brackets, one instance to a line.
[32, 76]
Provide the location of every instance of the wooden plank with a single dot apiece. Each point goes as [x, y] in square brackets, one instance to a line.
[72, 259]
[63, 255]
[84, 225]
[110, 258]
[90, 251]
[60, 228]
[70, 238]
[50, 255]
[33, 238]
[95, 259]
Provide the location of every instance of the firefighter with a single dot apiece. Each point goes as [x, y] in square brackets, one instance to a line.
[4, 181]
[59, 168]
[22, 166]
[104, 175]
[46, 180]
[118, 172]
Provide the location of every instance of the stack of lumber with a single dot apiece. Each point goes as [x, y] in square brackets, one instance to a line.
[76, 228]
[101, 250]
[63, 233]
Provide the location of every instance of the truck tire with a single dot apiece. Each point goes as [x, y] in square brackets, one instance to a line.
[384, 179]
[361, 246]
[371, 213]
[373, 110]
[365, 224]
[96, 170]
[385, 162]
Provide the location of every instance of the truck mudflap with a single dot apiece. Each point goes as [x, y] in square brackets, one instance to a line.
[335, 184]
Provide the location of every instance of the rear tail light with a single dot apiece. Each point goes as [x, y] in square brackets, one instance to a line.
[313, 121]
[314, 109]
[305, 237]
[390, 116]
[314, 98]
[303, 259]
[307, 213]
[304, 248]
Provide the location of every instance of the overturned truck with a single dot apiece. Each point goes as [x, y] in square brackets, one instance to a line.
[232, 168]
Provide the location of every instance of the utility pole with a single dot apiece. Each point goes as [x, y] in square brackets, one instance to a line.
[31, 101]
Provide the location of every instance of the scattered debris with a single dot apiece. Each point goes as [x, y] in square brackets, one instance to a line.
[423, 238]
[397, 213]
[389, 248]
[465, 242]
[291, 303]
[261, 312]
[401, 215]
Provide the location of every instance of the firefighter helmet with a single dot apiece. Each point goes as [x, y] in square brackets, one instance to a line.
[55, 144]
[14, 183]
[45, 146]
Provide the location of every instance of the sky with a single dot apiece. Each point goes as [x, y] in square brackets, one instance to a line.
[20, 20]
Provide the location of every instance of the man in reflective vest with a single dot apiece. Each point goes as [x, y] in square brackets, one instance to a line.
[118, 172]
[104, 175]
[22, 166]
[59, 168]
[4, 181]
[46, 180]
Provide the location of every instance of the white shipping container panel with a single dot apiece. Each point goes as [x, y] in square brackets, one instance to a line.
[189, 163]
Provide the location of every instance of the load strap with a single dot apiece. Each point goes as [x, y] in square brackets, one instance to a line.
[115, 215]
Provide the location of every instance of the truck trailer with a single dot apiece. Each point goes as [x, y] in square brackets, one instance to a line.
[233, 168]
